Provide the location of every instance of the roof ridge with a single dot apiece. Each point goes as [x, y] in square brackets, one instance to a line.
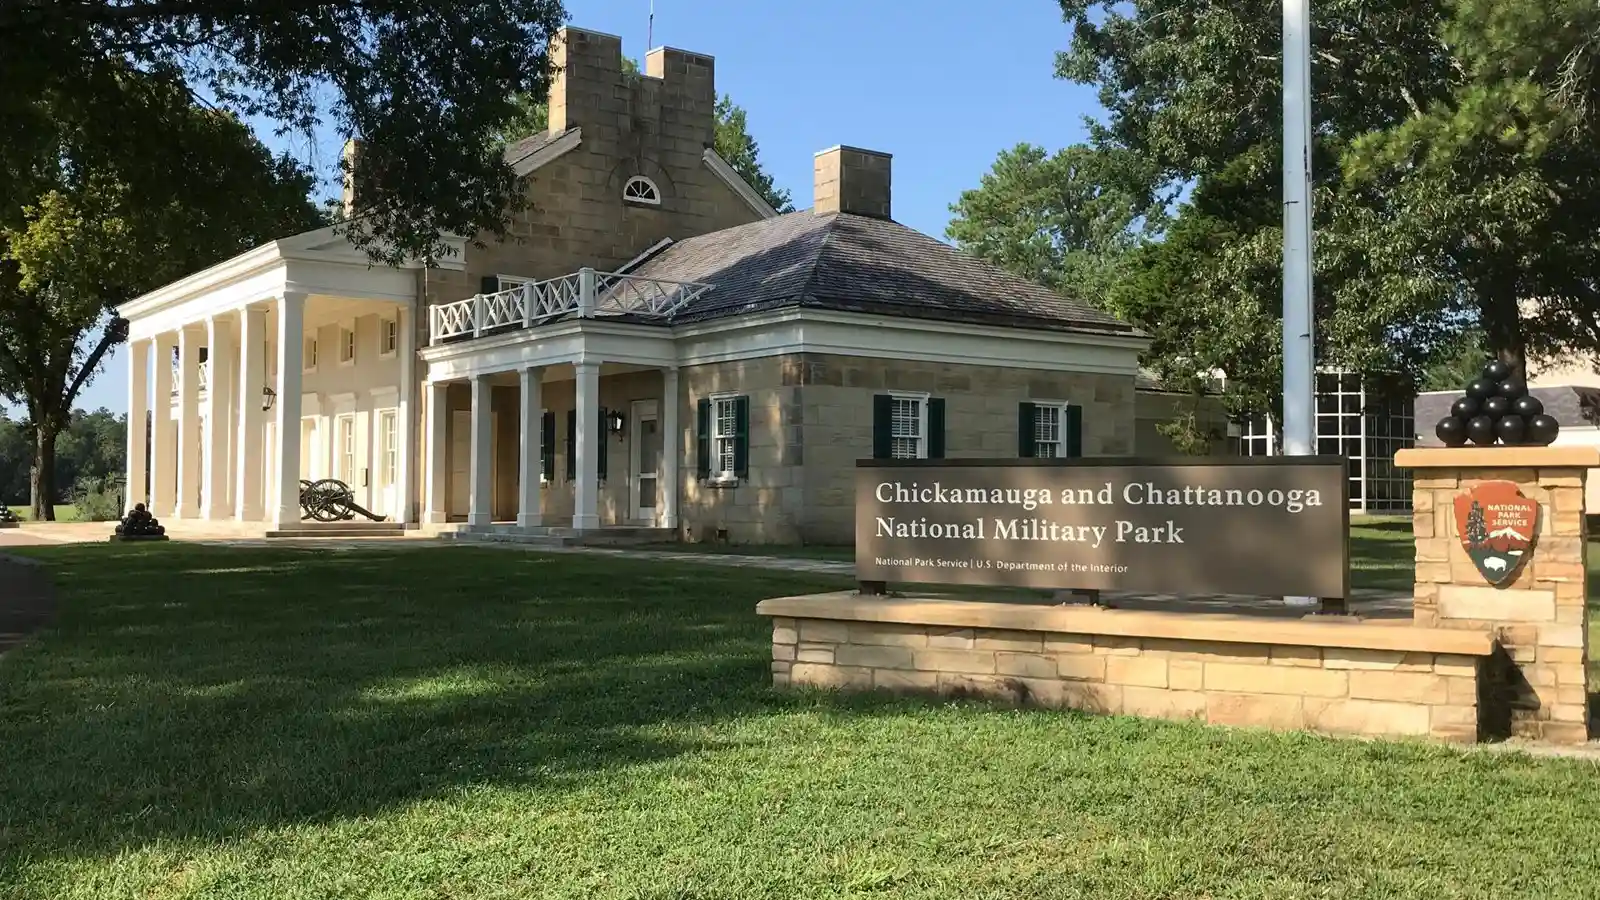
[816, 259]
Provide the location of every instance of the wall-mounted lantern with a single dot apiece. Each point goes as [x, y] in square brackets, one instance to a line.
[268, 397]
[614, 421]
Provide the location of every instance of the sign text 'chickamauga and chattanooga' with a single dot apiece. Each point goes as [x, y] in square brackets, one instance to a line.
[1273, 526]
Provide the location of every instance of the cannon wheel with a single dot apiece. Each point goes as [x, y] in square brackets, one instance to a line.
[328, 500]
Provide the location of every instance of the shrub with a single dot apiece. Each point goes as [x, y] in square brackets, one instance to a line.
[98, 499]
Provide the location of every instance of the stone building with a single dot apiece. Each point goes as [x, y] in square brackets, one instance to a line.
[652, 350]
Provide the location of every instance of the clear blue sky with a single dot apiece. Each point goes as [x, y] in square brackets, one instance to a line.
[943, 85]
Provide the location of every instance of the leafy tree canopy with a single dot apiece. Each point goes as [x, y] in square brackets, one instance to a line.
[422, 82]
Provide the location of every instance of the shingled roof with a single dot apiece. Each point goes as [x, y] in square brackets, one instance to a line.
[855, 263]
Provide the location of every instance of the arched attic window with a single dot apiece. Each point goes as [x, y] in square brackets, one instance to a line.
[640, 189]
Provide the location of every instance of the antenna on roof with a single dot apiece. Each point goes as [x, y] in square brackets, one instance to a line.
[650, 30]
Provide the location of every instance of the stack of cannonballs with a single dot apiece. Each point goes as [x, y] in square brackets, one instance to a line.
[1497, 409]
[139, 525]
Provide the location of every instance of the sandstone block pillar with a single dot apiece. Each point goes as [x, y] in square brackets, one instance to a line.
[1540, 689]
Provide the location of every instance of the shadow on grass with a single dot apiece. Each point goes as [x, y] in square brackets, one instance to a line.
[190, 693]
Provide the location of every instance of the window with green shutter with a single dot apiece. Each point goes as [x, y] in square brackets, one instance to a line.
[907, 426]
[572, 444]
[1073, 426]
[601, 442]
[722, 438]
[1049, 430]
[1027, 441]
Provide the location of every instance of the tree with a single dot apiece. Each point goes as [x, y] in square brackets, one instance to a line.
[531, 115]
[101, 226]
[1066, 220]
[735, 145]
[422, 82]
[1452, 181]
[1477, 531]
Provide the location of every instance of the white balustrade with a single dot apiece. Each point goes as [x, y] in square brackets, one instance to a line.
[537, 302]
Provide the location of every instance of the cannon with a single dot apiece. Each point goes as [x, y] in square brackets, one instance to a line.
[331, 500]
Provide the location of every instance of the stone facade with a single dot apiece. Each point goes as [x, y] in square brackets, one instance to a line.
[1272, 674]
[1539, 616]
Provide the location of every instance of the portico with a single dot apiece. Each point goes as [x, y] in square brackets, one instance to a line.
[294, 360]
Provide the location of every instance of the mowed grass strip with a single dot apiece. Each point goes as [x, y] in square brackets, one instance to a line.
[477, 723]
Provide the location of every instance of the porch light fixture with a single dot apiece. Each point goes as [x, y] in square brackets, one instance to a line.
[614, 421]
[268, 397]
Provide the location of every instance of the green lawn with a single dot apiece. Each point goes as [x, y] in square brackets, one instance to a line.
[463, 722]
[65, 512]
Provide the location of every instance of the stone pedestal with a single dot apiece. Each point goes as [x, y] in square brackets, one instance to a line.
[1538, 614]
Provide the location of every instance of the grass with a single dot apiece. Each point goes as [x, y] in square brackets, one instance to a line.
[474, 723]
[65, 512]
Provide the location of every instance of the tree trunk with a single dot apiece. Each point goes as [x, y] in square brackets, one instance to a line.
[1503, 328]
[42, 480]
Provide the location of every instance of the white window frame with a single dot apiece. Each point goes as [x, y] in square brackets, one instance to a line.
[388, 458]
[507, 282]
[386, 324]
[1060, 407]
[347, 342]
[921, 400]
[652, 198]
[718, 474]
[309, 348]
[340, 453]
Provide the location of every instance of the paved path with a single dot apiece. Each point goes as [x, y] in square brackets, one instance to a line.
[27, 600]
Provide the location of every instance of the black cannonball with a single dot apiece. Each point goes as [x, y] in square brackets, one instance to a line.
[1481, 389]
[1527, 406]
[1464, 408]
[1542, 430]
[1496, 371]
[1513, 387]
[1452, 431]
[1496, 407]
[1480, 430]
[1510, 430]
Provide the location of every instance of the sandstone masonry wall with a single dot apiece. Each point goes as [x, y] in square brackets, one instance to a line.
[1326, 689]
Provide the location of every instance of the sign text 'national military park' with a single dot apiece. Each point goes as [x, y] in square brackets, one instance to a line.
[1270, 526]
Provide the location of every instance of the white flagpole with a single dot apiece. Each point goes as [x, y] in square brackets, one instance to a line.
[1299, 373]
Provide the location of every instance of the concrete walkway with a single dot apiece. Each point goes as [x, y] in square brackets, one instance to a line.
[27, 600]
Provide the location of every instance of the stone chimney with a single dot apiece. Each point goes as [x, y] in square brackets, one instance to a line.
[851, 180]
[352, 155]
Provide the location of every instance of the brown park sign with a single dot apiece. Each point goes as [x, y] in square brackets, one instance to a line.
[1266, 526]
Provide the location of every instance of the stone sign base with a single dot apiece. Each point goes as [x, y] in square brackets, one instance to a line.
[1538, 613]
[1341, 677]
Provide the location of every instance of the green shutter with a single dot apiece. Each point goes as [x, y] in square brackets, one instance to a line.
[572, 444]
[702, 438]
[882, 426]
[1072, 422]
[601, 444]
[1027, 447]
[547, 445]
[741, 437]
[489, 284]
[936, 428]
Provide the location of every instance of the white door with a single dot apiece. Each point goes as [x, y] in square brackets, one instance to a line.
[309, 445]
[645, 461]
[386, 496]
[460, 462]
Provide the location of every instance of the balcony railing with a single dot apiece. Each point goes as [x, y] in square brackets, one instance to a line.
[587, 293]
[201, 383]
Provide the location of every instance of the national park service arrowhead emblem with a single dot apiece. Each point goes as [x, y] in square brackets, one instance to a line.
[1497, 526]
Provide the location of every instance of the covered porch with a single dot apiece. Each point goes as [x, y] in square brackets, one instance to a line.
[556, 406]
[292, 361]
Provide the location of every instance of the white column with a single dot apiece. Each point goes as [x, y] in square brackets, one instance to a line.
[671, 448]
[219, 419]
[291, 361]
[437, 476]
[189, 449]
[1299, 366]
[135, 490]
[406, 510]
[247, 492]
[528, 489]
[480, 508]
[586, 445]
[164, 465]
